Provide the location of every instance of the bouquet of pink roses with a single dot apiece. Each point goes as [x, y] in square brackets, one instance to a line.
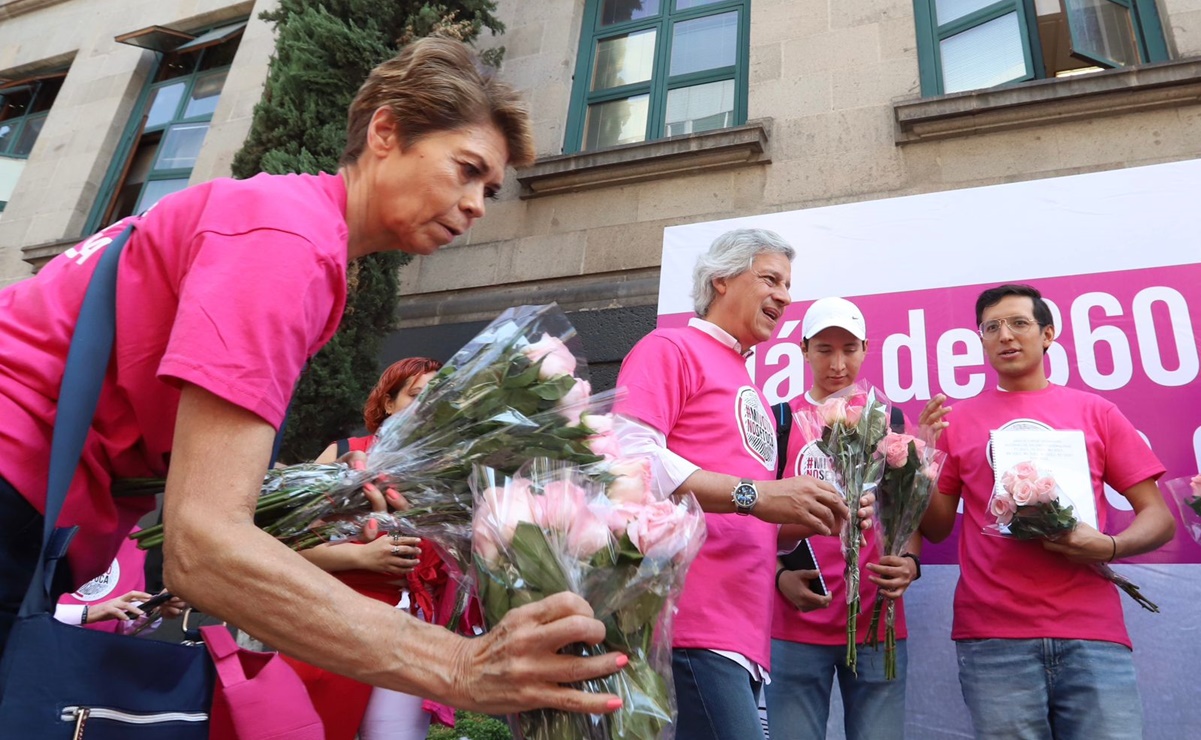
[1028, 504]
[552, 528]
[909, 481]
[1187, 493]
[848, 429]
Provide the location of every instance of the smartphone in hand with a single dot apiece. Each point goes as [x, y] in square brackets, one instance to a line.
[802, 558]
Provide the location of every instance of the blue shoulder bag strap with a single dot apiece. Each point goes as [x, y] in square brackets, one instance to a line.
[783, 414]
[87, 362]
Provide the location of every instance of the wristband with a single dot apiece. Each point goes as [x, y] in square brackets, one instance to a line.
[916, 561]
[84, 619]
[1115, 548]
[779, 572]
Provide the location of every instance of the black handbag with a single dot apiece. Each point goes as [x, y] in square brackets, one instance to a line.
[61, 681]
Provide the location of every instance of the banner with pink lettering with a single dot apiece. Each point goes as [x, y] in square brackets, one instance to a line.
[1118, 257]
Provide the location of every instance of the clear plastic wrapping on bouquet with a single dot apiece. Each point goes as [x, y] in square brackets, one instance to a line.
[848, 428]
[515, 392]
[1027, 504]
[1186, 492]
[910, 480]
[553, 527]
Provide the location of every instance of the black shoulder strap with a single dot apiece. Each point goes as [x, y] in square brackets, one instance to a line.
[896, 420]
[783, 414]
[343, 446]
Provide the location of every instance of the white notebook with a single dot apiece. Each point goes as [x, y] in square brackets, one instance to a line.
[1060, 453]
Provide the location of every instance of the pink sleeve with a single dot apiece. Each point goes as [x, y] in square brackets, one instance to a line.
[657, 383]
[252, 309]
[1128, 459]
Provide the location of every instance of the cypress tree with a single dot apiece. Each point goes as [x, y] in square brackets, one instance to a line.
[324, 50]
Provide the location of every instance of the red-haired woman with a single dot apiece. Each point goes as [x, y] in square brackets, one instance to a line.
[382, 569]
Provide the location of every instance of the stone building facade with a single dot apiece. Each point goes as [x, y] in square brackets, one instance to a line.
[751, 106]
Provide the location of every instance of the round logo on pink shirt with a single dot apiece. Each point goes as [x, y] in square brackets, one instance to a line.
[754, 424]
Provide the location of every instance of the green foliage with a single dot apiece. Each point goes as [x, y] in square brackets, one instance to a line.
[473, 727]
[324, 50]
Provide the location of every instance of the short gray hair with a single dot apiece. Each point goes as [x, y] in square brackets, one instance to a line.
[732, 254]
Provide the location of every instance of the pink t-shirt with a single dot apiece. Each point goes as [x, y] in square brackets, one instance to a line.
[1017, 590]
[229, 285]
[127, 572]
[827, 626]
[696, 391]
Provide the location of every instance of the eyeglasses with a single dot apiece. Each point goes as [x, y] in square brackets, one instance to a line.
[1017, 324]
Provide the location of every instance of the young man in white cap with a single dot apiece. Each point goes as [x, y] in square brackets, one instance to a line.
[809, 630]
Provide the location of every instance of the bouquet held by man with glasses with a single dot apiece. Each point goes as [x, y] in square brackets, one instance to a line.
[1044, 490]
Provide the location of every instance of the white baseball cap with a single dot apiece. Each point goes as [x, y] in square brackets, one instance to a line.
[827, 312]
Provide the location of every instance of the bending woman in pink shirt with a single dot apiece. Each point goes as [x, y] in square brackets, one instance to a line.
[223, 291]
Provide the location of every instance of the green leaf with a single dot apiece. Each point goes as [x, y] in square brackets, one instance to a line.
[536, 561]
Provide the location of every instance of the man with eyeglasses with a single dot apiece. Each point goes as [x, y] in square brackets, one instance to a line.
[1042, 647]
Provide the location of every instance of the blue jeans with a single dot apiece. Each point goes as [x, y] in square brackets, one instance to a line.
[1049, 688]
[717, 698]
[802, 676]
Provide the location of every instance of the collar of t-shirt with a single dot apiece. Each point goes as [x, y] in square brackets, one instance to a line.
[718, 333]
[836, 394]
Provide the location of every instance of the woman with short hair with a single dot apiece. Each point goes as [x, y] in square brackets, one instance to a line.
[224, 290]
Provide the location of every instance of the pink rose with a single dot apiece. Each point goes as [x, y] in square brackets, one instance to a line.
[659, 531]
[503, 508]
[606, 445]
[563, 510]
[632, 481]
[597, 423]
[1044, 489]
[589, 534]
[1023, 492]
[484, 540]
[556, 358]
[1195, 483]
[854, 414]
[1003, 508]
[575, 401]
[833, 411]
[895, 447]
[1025, 470]
[558, 506]
[620, 515]
[931, 471]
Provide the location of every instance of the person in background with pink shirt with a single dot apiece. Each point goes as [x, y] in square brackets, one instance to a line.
[223, 291]
[692, 407]
[1041, 641]
[809, 632]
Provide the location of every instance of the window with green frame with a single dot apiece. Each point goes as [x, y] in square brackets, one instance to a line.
[974, 44]
[654, 68]
[24, 105]
[169, 124]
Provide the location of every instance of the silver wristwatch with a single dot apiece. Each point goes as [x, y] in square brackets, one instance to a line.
[745, 496]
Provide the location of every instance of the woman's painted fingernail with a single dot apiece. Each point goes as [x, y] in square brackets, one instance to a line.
[623, 661]
[613, 704]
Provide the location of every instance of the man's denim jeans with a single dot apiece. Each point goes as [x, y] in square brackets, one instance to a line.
[1049, 688]
[802, 676]
[717, 698]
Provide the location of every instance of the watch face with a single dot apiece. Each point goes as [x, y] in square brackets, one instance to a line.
[745, 496]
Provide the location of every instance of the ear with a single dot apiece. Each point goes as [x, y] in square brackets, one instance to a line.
[383, 132]
[721, 285]
[865, 346]
[1048, 336]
